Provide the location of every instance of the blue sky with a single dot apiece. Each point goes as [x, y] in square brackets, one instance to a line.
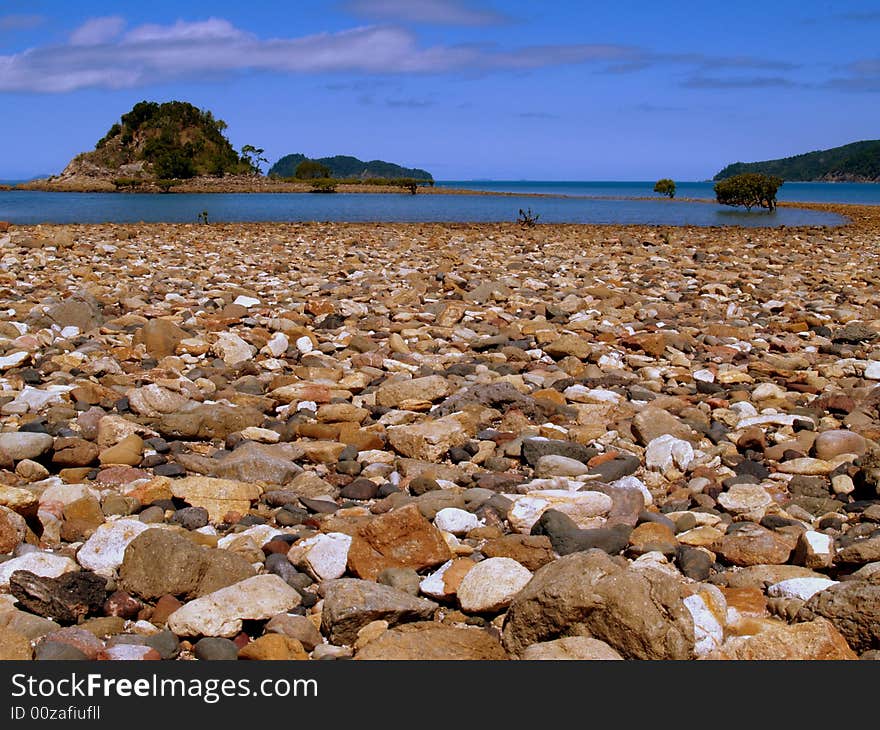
[499, 89]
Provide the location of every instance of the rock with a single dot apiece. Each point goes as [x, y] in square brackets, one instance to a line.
[650, 423]
[534, 449]
[296, 627]
[104, 551]
[159, 562]
[854, 609]
[310, 486]
[752, 544]
[814, 550]
[427, 641]
[323, 556]
[208, 421]
[13, 530]
[44, 565]
[129, 451]
[640, 614]
[491, 585]
[584, 508]
[27, 624]
[457, 521]
[814, 640]
[274, 647]
[553, 465]
[160, 337]
[213, 649]
[708, 609]
[220, 613]
[254, 463]
[232, 349]
[530, 551]
[835, 442]
[749, 501]
[396, 393]
[800, 588]
[566, 537]
[21, 501]
[571, 648]
[67, 598]
[14, 646]
[859, 552]
[667, 452]
[129, 652]
[652, 536]
[78, 638]
[403, 579]
[23, 445]
[81, 518]
[694, 563]
[71, 452]
[572, 345]
[218, 496]
[400, 539]
[58, 651]
[351, 604]
[430, 440]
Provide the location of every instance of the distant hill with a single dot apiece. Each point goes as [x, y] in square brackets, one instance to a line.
[165, 141]
[856, 162]
[343, 166]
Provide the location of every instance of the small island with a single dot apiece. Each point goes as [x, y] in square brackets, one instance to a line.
[177, 147]
[855, 162]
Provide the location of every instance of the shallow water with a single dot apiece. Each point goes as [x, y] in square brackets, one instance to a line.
[29, 207]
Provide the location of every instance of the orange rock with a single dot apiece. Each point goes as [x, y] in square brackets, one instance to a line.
[399, 539]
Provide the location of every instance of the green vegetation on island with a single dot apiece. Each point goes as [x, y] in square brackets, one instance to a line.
[750, 189]
[856, 162]
[163, 142]
[343, 167]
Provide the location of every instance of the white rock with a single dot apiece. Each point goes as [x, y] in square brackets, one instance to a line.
[819, 542]
[323, 556]
[767, 391]
[24, 445]
[259, 534]
[46, 565]
[803, 588]
[772, 419]
[13, 360]
[69, 331]
[583, 394]
[304, 344]
[665, 452]
[232, 349]
[706, 376]
[563, 466]
[631, 482]
[221, 613]
[277, 344]
[104, 550]
[872, 371]
[585, 508]
[491, 585]
[708, 608]
[750, 500]
[457, 521]
[32, 400]
[433, 585]
[247, 302]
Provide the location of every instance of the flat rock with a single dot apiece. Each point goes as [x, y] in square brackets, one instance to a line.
[755, 545]
[584, 508]
[571, 648]
[350, 604]
[430, 440]
[217, 496]
[394, 393]
[221, 613]
[428, 641]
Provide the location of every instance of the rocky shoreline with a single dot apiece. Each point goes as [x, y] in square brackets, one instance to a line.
[422, 441]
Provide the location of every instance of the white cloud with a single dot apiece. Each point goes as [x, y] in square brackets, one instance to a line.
[96, 31]
[436, 12]
[100, 54]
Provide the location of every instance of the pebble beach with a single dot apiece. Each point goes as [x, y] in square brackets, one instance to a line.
[315, 441]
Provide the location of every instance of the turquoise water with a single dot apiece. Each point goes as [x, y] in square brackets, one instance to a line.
[564, 202]
[800, 192]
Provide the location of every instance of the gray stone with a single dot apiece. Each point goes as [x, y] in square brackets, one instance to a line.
[350, 604]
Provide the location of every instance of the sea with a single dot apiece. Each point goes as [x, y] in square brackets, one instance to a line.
[596, 202]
